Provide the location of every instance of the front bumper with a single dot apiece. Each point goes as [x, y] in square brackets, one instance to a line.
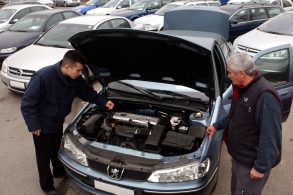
[98, 183]
[12, 83]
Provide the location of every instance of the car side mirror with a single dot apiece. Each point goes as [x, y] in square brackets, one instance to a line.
[13, 21]
[119, 7]
[233, 22]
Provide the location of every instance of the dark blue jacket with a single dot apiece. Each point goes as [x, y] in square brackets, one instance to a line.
[49, 96]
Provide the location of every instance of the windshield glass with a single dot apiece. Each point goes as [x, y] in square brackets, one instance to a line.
[165, 8]
[58, 36]
[279, 24]
[5, 14]
[111, 4]
[140, 5]
[91, 2]
[29, 24]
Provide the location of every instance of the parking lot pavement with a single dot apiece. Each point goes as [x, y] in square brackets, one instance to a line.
[19, 174]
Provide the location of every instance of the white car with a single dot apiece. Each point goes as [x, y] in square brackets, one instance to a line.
[11, 14]
[155, 22]
[274, 33]
[66, 3]
[50, 48]
[111, 6]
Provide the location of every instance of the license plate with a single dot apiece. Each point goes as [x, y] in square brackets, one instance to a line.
[112, 189]
[17, 84]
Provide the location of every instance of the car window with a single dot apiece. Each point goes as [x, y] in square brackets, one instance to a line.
[37, 8]
[154, 5]
[274, 66]
[273, 11]
[5, 14]
[69, 15]
[241, 16]
[120, 23]
[102, 2]
[258, 13]
[124, 3]
[29, 24]
[286, 3]
[20, 14]
[54, 20]
[105, 25]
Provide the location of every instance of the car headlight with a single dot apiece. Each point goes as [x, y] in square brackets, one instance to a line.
[277, 54]
[72, 151]
[189, 172]
[8, 50]
[4, 66]
[150, 27]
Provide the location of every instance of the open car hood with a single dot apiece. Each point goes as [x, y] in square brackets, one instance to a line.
[198, 18]
[174, 57]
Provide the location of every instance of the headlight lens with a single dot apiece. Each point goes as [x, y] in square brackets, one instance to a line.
[8, 50]
[75, 153]
[4, 66]
[189, 172]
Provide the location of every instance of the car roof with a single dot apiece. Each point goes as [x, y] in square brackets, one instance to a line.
[23, 6]
[231, 8]
[178, 2]
[51, 12]
[88, 19]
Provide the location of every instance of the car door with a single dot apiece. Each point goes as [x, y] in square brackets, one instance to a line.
[276, 65]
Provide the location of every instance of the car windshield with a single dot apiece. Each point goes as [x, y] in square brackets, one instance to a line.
[111, 4]
[5, 14]
[140, 5]
[58, 36]
[279, 25]
[91, 2]
[29, 24]
[165, 8]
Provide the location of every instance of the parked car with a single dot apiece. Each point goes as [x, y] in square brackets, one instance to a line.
[155, 22]
[89, 5]
[245, 17]
[18, 68]
[154, 141]
[11, 14]
[66, 3]
[28, 29]
[277, 66]
[49, 3]
[141, 8]
[287, 5]
[111, 6]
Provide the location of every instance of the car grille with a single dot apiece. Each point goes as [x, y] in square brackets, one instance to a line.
[20, 73]
[248, 49]
[127, 174]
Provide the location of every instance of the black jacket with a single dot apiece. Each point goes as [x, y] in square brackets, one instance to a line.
[49, 96]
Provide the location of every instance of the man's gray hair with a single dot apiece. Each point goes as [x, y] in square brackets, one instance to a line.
[242, 61]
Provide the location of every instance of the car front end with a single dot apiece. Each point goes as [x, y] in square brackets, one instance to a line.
[154, 141]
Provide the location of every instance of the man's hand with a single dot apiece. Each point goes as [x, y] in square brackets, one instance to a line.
[37, 132]
[110, 105]
[254, 174]
[211, 130]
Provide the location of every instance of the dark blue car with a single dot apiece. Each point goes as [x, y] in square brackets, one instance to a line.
[25, 31]
[141, 8]
[245, 17]
[89, 5]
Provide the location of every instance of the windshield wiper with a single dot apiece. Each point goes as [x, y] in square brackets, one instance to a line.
[176, 94]
[144, 91]
[272, 32]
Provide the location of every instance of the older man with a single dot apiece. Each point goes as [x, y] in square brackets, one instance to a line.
[253, 126]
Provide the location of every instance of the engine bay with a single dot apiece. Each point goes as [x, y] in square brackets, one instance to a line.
[168, 132]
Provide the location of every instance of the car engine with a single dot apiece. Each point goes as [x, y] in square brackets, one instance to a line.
[163, 131]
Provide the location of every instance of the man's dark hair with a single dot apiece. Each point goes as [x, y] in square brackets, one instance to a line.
[73, 56]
